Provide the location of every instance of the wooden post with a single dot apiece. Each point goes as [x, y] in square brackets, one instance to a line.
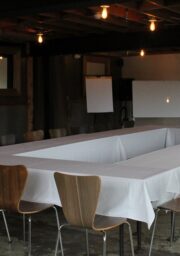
[29, 93]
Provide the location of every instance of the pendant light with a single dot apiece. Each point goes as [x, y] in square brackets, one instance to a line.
[152, 25]
[104, 13]
[40, 38]
[142, 53]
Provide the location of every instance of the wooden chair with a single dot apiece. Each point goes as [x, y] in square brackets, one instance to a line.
[174, 207]
[56, 133]
[79, 198]
[34, 135]
[12, 183]
[7, 139]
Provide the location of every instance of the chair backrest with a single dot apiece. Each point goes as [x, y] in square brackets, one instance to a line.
[7, 139]
[12, 183]
[56, 133]
[34, 135]
[79, 197]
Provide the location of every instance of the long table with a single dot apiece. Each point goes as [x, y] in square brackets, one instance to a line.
[130, 188]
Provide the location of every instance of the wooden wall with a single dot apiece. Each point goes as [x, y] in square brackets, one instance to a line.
[59, 95]
[53, 96]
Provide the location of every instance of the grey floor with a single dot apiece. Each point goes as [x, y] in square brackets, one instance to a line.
[44, 235]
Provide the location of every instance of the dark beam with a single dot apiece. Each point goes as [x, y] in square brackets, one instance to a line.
[90, 22]
[111, 42]
[10, 8]
[171, 2]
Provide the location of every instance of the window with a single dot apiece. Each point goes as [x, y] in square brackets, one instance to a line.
[10, 71]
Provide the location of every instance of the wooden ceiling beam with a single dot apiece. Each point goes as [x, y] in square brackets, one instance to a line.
[111, 42]
[127, 13]
[9, 8]
[171, 2]
[48, 26]
[90, 22]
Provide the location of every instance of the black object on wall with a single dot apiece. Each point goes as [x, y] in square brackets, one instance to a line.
[122, 89]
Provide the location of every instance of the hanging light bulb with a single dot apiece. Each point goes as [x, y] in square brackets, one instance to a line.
[168, 100]
[1, 57]
[142, 53]
[104, 12]
[152, 25]
[40, 38]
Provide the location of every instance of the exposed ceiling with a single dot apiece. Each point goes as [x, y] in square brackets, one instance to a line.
[75, 27]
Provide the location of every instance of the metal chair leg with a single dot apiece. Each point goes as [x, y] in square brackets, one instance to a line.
[87, 242]
[153, 232]
[6, 226]
[57, 244]
[29, 235]
[131, 238]
[59, 240]
[104, 243]
[57, 217]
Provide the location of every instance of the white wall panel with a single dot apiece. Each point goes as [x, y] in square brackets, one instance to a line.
[152, 67]
[149, 98]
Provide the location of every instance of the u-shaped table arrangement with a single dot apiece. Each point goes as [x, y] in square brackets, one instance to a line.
[139, 167]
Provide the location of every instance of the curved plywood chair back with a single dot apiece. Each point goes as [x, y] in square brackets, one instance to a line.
[56, 133]
[34, 135]
[79, 197]
[12, 182]
[7, 139]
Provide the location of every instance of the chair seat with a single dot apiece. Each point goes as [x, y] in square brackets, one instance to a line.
[105, 222]
[27, 207]
[173, 205]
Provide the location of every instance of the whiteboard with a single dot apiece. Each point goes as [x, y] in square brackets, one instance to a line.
[99, 95]
[156, 98]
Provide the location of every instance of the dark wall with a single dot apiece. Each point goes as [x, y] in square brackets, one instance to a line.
[59, 99]
[13, 103]
[57, 85]
[13, 121]
[59, 96]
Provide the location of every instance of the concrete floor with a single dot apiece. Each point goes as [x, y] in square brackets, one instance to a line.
[44, 235]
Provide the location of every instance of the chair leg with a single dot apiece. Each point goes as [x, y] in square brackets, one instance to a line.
[6, 226]
[131, 238]
[104, 243]
[29, 231]
[87, 242]
[29, 235]
[57, 244]
[172, 228]
[153, 231]
[59, 240]
[57, 217]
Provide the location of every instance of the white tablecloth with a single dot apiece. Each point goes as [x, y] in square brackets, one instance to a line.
[128, 187]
